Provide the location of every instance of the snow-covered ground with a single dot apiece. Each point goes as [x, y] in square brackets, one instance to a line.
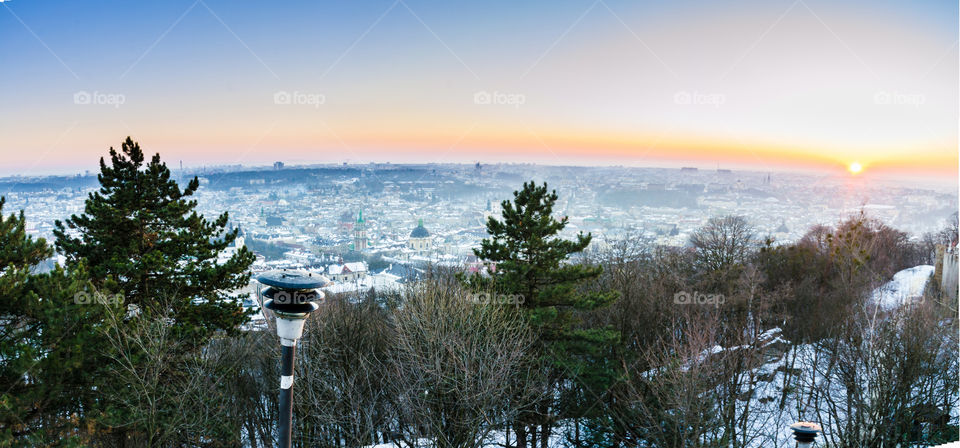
[906, 287]
[769, 417]
[496, 439]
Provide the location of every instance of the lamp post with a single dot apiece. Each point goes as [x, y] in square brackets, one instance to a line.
[292, 296]
[805, 433]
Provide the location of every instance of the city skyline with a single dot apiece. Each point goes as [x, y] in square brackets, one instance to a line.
[765, 86]
[498, 224]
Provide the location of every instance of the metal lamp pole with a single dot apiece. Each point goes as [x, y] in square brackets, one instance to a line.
[292, 296]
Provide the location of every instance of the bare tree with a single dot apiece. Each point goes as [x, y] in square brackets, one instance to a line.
[161, 393]
[888, 381]
[723, 242]
[928, 243]
[458, 365]
[670, 401]
[251, 383]
[344, 375]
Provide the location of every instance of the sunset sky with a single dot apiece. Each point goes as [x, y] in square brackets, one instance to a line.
[766, 84]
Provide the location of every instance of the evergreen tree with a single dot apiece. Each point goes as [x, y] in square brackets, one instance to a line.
[529, 260]
[48, 342]
[140, 235]
[141, 231]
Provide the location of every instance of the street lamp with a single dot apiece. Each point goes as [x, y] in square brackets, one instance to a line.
[292, 296]
[805, 433]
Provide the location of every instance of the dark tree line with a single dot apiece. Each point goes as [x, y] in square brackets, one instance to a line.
[113, 348]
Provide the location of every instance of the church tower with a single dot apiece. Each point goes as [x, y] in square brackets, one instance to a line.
[360, 234]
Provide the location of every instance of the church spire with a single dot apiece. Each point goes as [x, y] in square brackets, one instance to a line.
[360, 233]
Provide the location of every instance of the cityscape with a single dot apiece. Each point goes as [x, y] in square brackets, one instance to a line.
[396, 220]
[498, 224]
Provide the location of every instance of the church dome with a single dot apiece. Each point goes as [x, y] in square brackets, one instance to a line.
[419, 231]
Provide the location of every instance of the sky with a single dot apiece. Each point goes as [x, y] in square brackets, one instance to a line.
[767, 84]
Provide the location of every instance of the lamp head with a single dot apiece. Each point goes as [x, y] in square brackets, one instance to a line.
[292, 297]
[805, 432]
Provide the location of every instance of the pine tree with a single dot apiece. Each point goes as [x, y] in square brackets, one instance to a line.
[141, 231]
[49, 345]
[531, 261]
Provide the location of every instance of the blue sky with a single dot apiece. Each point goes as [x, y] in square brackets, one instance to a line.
[602, 81]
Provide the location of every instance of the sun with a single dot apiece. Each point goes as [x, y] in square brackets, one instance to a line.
[855, 168]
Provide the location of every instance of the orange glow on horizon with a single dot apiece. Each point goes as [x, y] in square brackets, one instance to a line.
[458, 145]
[449, 142]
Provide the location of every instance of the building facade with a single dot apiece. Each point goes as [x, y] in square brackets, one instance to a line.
[420, 239]
[360, 233]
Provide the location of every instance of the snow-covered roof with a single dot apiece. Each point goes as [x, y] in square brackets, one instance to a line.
[346, 268]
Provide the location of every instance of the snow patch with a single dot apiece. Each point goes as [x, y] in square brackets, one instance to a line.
[906, 287]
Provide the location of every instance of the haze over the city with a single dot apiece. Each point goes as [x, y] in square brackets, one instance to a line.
[497, 224]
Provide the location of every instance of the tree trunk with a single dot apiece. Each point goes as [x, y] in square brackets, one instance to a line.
[521, 431]
[576, 432]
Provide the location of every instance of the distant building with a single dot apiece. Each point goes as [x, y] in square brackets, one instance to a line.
[234, 247]
[402, 272]
[347, 272]
[360, 233]
[667, 229]
[345, 224]
[274, 221]
[420, 238]
[783, 227]
[688, 169]
[278, 165]
[300, 256]
[692, 188]
[946, 271]
[474, 265]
